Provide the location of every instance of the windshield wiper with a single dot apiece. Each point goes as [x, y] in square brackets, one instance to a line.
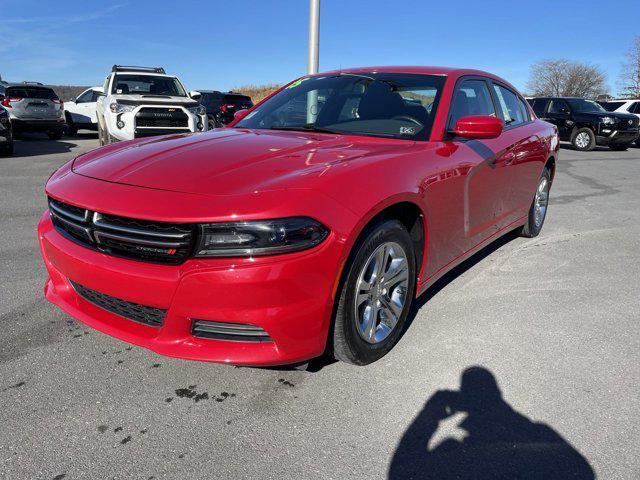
[307, 127]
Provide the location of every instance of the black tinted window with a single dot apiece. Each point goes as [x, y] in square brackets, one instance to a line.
[237, 99]
[558, 106]
[539, 106]
[210, 99]
[472, 97]
[510, 106]
[635, 108]
[31, 92]
[611, 106]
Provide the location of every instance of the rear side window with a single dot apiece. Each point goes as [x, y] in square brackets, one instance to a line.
[237, 99]
[525, 109]
[472, 97]
[510, 107]
[635, 108]
[31, 92]
[539, 106]
[558, 106]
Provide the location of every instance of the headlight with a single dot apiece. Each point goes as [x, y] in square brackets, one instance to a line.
[120, 108]
[263, 237]
[199, 110]
[608, 120]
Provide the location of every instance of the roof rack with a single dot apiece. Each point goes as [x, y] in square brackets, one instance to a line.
[129, 68]
[32, 83]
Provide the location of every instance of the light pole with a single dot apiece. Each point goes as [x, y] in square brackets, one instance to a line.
[314, 36]
[312, 57]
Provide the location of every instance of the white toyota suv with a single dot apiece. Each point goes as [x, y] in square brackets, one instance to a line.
[143, 102]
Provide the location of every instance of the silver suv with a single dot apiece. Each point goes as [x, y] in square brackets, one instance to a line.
[32, 107]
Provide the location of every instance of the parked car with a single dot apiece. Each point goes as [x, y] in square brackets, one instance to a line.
[81, 112]
[271, 242]
[221, 106]
[630, 105]
[145, 101]
[586, 123]
[6, 135]
[33, 107]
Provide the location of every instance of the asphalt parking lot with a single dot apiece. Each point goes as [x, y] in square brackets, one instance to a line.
[554, 319]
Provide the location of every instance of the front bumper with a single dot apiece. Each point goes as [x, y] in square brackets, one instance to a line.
[610, 135]
[289, 296]
[130, 130]
[37, 125]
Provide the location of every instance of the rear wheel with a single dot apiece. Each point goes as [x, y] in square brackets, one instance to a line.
[376, 295]
[583, 139]
[538, 210]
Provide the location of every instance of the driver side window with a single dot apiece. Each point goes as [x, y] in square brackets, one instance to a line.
[85, 97]
[471, 97]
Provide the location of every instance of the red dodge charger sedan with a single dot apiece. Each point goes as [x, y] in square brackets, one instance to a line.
[307, 226]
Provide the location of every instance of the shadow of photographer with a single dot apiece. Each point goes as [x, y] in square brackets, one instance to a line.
[497, 443]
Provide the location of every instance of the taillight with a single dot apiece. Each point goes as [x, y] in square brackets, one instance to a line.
[7, 101]
[58, 101]
[226, 106]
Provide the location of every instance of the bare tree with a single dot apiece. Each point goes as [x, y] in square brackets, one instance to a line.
[566, 78]
[629, 80]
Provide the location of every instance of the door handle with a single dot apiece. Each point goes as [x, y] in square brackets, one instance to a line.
[505, 158]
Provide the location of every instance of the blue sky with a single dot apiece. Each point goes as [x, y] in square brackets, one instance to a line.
[222, 44]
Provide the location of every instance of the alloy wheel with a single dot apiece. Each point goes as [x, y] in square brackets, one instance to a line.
[381, 292]
[541, 202]
[582, 140]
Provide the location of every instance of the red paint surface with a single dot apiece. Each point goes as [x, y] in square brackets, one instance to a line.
[467, 197]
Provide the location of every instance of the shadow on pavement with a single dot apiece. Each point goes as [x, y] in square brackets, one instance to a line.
[34, 144]
[498, 442]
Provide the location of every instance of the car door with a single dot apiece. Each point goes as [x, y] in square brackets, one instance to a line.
[485, 162]
[525, 153]
[559, 113]
[85, 109]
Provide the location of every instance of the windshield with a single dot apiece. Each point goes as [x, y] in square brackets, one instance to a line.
[582, 105]
[390, 105]
[147, 85]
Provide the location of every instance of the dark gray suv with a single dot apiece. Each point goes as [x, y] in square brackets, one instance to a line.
[33, 107]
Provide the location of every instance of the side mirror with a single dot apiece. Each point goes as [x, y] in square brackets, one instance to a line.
[195, 95]
[240, 114]
[478, 126]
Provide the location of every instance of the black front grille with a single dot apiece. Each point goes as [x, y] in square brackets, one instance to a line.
[129, 310]
[143, 240]
[162, 118]
[238, 332]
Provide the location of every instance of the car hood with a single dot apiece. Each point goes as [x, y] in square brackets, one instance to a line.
[131, 99]
[230, 161]
[617, 115]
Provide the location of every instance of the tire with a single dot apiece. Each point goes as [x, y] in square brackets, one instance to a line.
[387, 239]
[101, 136]
[7, 149]
[539, 206]
[55, 134]
[70, 129]
[620, 147]
[583, 139]
[211, 124]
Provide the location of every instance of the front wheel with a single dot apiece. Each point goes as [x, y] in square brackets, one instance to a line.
[538, 209]
[376, 295]
[584, 140]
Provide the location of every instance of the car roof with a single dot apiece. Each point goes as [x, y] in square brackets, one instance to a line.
[222, 93]
[454, 72]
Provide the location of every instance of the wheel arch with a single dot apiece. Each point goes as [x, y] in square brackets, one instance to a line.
[551, 165]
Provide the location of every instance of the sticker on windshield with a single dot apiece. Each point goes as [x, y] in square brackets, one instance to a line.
[297, 82]
[407, 131]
